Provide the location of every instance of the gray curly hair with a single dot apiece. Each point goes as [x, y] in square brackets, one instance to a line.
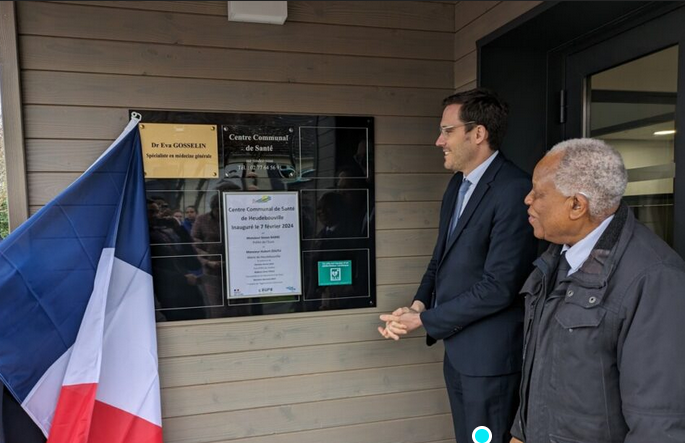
[594, 169]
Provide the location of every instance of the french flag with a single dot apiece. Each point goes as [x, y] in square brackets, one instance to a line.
[78, 347]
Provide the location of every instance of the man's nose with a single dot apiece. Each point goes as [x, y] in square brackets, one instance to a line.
[528, 200]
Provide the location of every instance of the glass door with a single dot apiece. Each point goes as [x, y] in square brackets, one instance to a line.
[624, 90]
[633, 107]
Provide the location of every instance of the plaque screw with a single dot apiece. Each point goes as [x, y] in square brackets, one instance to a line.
[142, 126]
[225, 129]
[211, 128]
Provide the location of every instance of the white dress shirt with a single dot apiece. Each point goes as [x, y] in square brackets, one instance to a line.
[578, 253]
[474, 177]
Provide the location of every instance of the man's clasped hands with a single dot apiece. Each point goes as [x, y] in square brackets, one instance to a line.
[402, 321]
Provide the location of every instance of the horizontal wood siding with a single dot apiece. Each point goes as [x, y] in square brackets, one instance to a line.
[128, 58]
[121, 21]
[205, 399]
[306, 377]
[78, 89]
[407, 430]
[304, 416]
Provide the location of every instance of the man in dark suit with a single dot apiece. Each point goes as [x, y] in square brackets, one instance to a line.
[468, 296]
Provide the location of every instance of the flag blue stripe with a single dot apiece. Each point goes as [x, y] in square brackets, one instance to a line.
[48, 265]
[133, 242]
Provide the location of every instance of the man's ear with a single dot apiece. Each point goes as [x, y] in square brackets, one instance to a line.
[580, 207]
[480, 134]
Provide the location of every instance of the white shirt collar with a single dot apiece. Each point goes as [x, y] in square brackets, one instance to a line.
[578, 253]
[475, 175]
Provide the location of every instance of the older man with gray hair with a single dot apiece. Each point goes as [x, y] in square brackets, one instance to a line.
[604, 353]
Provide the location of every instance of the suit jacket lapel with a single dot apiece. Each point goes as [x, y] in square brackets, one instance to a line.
[446, 213]
[475, 199]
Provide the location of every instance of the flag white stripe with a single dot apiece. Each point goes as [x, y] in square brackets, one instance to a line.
[41, 402]
[129, 378]
[86, 355]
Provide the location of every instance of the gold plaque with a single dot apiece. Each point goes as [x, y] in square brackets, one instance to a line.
[179, 151]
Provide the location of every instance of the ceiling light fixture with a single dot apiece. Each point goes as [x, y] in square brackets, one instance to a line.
[269, 12]
[668, 132]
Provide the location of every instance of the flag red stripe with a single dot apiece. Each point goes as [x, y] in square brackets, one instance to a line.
[114, 425]
[79, 418]
[73, 414]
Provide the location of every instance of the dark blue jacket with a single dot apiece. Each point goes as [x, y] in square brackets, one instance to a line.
[476, 277]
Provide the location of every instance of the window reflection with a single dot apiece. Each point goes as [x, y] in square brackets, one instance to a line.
[632, 107]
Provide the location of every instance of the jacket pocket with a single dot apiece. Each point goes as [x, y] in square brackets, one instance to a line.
[571, 316]
[578, 341]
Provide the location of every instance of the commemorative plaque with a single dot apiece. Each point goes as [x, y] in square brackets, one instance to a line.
[263, 244]
[275, 215]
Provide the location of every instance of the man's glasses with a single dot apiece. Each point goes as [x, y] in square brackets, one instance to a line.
[447, 130]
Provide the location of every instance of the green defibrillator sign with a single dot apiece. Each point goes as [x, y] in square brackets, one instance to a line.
[335, 273]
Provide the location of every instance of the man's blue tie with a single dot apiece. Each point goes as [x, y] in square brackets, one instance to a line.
[463, 189]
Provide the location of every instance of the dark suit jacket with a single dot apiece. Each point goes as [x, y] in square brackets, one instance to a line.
[476, 276]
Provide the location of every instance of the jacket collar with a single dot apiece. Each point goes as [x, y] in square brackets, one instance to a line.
[599, 266]
[608, 251]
